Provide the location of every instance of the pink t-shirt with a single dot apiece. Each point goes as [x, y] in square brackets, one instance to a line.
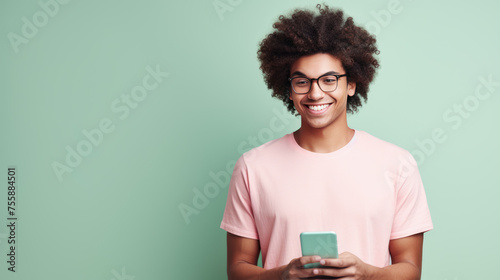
[368, 192]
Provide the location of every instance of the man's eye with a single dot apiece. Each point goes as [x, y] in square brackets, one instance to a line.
[301, 82]
[329, 80]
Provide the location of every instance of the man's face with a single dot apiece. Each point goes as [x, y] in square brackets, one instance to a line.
[313, 66]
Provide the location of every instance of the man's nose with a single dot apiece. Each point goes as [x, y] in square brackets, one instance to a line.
[315, 93]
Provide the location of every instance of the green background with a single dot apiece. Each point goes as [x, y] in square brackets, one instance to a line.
[116, 215]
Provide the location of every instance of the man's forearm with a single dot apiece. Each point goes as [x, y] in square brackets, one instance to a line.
[247, 271]
[398, 271]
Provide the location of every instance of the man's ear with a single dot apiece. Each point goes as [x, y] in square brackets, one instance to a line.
[351, 88]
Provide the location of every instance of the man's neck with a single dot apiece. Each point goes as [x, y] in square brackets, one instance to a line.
[323, 140]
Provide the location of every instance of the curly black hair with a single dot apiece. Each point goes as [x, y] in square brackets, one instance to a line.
[304, 33]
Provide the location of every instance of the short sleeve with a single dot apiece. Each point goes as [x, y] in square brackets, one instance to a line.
[238, 215]
[412, 214]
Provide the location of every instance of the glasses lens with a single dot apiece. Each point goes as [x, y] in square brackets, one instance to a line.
[328, 83]
[301, 85]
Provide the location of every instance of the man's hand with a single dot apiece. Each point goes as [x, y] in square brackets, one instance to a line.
[295, 269]
[347, 266]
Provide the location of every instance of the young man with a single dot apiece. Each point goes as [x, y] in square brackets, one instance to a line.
[325, 176]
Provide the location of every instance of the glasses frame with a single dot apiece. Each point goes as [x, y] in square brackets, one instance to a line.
[317, 82]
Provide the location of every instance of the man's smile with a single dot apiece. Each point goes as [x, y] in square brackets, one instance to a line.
[318, 108]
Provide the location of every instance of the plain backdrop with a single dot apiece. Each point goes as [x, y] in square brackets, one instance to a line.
[105, 166]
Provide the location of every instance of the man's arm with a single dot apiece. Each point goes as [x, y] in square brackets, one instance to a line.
[406, 255]
[242, 257]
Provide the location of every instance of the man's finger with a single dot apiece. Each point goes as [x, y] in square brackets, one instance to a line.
[336, 272]
[308, 259]
[337, 263]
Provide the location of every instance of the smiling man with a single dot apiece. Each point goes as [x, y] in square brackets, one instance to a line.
[325, 176]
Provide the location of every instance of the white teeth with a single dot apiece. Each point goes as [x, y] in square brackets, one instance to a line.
[318, 108]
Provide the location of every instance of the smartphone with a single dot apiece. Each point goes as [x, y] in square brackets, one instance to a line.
[321, 243]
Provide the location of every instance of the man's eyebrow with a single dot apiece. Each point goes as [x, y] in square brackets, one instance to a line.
[298, 73]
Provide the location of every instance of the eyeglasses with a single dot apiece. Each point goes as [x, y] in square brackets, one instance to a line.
[326, 82]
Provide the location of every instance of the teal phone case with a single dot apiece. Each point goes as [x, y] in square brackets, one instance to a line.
[321, 243]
